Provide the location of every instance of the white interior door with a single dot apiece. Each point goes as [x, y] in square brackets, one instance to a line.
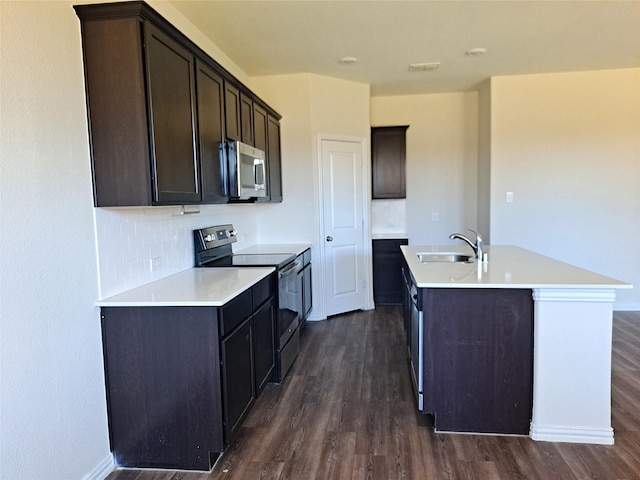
[343, 226]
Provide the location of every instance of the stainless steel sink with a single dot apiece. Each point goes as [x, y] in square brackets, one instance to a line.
[444, 257]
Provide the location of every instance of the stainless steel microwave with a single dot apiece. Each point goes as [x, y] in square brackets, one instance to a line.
[246, 170]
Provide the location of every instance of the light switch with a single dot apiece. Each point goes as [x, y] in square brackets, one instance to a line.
[509, 197]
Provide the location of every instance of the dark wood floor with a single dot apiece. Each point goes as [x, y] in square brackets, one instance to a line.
[346, 411]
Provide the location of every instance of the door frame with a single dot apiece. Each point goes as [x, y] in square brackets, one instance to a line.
[366, 215]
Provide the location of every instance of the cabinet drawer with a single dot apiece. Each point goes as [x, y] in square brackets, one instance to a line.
[262, 291]
[234, 312]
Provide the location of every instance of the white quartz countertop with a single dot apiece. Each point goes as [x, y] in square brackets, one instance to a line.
[194, 287]
[508, 267]
[387, 235]
[268, 249]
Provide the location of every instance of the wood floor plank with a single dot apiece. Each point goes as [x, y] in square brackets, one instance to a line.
[347, 411]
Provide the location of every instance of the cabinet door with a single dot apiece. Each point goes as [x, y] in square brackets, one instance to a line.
[259, 127]
[388, 162]
[171, 97]
[260, 141]
[246, 119]
[232, 111]
[264, 350]
[117, 109]
[387, 271]
[210, 88]
[274, 159]
[236, 353]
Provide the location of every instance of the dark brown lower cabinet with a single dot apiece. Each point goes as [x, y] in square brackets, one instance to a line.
[478, 359]
[387, 271]
[180, 380]
[238, 383]
[163, 386]
[264, 346]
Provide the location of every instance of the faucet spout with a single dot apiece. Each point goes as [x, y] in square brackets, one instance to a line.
[477, 246]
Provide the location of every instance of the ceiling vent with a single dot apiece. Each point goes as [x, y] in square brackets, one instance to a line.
[424, 67]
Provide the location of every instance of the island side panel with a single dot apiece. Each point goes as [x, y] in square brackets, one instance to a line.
[163, 386]
[572, 370]
[478, 360]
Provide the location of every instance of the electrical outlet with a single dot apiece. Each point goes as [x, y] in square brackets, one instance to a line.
[509, 197]
[435, 217]
[155, 263]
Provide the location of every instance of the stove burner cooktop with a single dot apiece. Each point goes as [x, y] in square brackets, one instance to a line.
[213, 249]
[252, 260]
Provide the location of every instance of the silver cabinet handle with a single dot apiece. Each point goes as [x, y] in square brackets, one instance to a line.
[329, 238]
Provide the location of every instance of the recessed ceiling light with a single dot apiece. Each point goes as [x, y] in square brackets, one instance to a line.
[348, 60]
[475, 52]
[424, 67]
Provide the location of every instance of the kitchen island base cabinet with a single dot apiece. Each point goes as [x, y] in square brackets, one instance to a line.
[478, 359]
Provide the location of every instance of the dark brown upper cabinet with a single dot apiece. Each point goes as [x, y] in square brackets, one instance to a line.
[275, 161]
[259, 116]
[232, 111]
[267, 138]
[158, 109]
[172, 111]
[388, 159]
[210, 88]
[246, 120]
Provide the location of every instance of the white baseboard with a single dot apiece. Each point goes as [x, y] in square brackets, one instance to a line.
[100, 472]
[598, 436]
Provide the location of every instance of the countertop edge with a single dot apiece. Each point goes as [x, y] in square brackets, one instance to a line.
[128, 297]
[505, 262]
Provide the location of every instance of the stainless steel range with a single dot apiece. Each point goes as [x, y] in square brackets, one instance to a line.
[213, 249]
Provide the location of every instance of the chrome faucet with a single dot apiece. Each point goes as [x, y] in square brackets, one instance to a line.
[477, 246]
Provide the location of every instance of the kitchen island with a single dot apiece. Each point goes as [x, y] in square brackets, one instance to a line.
[543, 325]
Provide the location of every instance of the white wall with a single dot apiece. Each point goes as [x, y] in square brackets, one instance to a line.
[568, 146]
[52, 419]
[311, 105]
[484, 160]
[442, 156]
[53, 414]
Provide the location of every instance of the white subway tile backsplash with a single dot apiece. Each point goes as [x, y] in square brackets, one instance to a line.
[388, 216]
[127, 239]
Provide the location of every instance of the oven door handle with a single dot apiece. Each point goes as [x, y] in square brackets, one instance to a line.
[293, 268]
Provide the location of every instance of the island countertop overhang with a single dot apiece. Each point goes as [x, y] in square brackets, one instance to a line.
[508, 266]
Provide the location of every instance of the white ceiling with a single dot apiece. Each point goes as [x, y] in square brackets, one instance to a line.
[268, 37]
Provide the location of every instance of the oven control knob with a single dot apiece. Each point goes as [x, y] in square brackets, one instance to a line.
[233, 233]
[209, 238]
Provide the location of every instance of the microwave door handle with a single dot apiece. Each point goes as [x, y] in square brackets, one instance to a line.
[255, 174]
[259, 183]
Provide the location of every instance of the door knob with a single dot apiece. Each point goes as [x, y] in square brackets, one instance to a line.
[329, 238]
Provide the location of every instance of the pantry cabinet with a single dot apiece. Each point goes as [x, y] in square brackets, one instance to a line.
[158, 109]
